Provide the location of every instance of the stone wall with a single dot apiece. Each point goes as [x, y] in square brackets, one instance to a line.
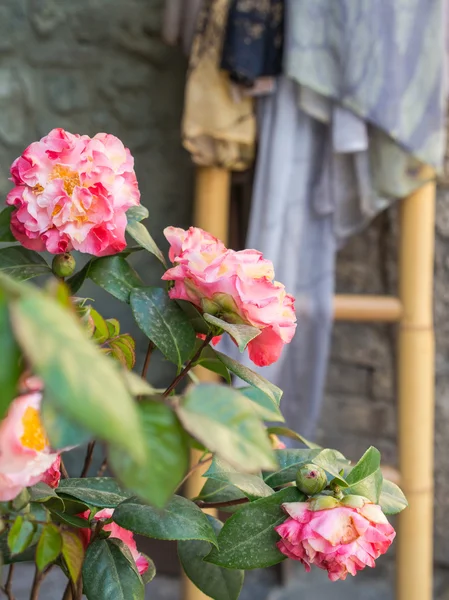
[98, 65]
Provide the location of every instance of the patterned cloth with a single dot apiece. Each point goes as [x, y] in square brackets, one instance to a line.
[217, 131]
[254, 40]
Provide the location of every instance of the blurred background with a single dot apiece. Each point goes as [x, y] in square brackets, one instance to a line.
[101, 65]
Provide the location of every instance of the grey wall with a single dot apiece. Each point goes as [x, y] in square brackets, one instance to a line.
[98, 65]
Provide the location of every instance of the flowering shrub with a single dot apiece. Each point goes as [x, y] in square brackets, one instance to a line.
[67, 379]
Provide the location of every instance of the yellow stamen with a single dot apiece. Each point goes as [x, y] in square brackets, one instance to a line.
[70, 178]
[33, 433]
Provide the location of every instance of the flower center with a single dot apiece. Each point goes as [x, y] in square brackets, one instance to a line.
[33, 433]
[70, 178]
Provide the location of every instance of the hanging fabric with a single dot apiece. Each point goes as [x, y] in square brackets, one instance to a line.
[217, 130]
[179, 22]
[254, 40]
[348, 133]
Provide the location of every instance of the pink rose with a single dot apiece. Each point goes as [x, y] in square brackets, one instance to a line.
[118, 532]
[340, 540]
[237, 287]
[25, 455]
[72, 192]
[52, 476]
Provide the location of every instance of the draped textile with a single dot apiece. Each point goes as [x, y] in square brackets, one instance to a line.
[254, 40]
[217, 130]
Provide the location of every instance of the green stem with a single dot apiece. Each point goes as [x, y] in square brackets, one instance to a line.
[203, 504]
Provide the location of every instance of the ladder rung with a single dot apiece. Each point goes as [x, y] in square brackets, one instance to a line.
[385, 309]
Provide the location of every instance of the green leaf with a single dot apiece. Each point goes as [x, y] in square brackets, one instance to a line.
[101, 332]
[61, 431]
[142, 236]
[123, 349]
[43, 493]
[195, 316]
[58, 351]
[215, 582]
[164, 323]
[65, 518]
[290, 460]
[22, 264]
[181, 519]
[10, 358]
[108, 574]
[5, 227]
[114, 327]
[73, 553]
[49, 546]
[241, 334]
[136, 385]
[115, 275]
[210, 361]
[263, 404]
[253, 486]
[248, 539]
[167, 456]
[286, 432]
[150, 573]
[392, 500]
[135, 214]
[252, 378]
[76, 281]
[20, 535]
[225, 422]
[330, 461]
[103, 492]
[21, 500]
[218, 491]
[365, 479]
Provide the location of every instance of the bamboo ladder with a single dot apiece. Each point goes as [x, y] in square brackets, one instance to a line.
[412, 310]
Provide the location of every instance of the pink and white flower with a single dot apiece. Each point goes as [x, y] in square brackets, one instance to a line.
[25, 455]
[237, 287]
[72, 192]
[117, 532]
[340, 540]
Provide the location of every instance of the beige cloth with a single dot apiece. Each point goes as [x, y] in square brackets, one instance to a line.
[217, 130]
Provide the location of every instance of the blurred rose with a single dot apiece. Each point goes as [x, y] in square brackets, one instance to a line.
[25, 454]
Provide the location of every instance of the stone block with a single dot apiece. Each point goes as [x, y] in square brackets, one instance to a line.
[67, 92]
[348, 378]
[13, 23]
[14, 121]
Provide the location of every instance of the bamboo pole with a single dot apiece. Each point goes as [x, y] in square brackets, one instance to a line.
[416, 395]
[383, 309]
[211, 213]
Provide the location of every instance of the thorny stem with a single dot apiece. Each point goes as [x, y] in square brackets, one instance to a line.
[88, 459]
[203, 504]
[193, 469]
[188, 366]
